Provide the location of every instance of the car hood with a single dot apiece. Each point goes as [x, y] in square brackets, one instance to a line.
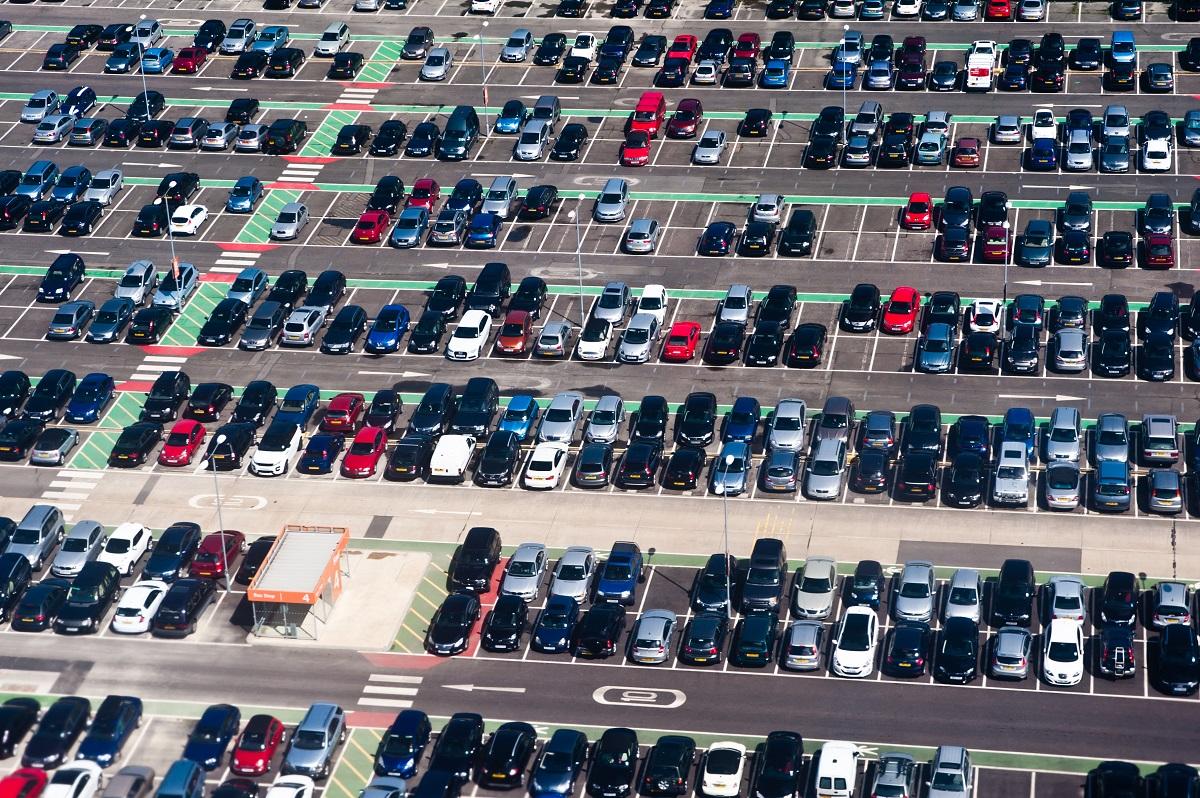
[162, 565]
[813, 603]
[446, 634]
[551, 638]
[521, 585]
[911, 606]
[69, 562]
[552, 783]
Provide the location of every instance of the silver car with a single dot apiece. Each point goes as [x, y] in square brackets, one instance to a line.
[248, 286]
[517, 46]
[650, 641]
[53, 446]
[1062, 482]
[913, 592]
[500, 196]
[837, 420]
[40, 105]
[1078, 155]
[736, 304]
[1110, 438]
[1006, 129]
[81, 545]
[1064, 436]
[1011, 650]
[110, 320]
[525, 572]
[780, 471]
[250, 138]
[531, 144]
[1031, 10]
[105, 187]
[612, 201]
[730, 471]
[291, 220]
[138, 283]
[554, 340]
[437, 64]
[1165, 491]
[604, 424]
[964, 595]
[1115, 121]
[642, 236]
[767, 208]
[1172, 604]
[896, 776]
[1070, 350]
[561, 418]
[176, 286]
[638, 340]
[951, 773]
[709, 148]
[802, 646]
[574, 572]
[813, 588]
[964, 11]
[383, 786]
[823, 476]
[613, 303]
[1066, 597]
[786, 427]
[53, 129]
[219, 136]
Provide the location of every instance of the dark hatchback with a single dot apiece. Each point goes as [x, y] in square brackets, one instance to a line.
[906, 651]
[614, 764]
[409, 458]
[173, 552]
[39, 606]
[754, 640]
[92, 593]
[957, 653]
[703, 640]
[59, 728]
[504, 626]
[598, 633]
[668, 766]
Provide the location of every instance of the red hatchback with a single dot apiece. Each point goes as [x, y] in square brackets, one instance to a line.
[636, 149]
[257, 746]
[967, 153]
[182, 443]
[918, 213]
[686, 120]
[217, 551]
[1159, 251]
[371, 227]
[681, 342]
[189, 60]
[344, 413]
[998, 11]
[747, 45]
[684, 46]
[363, 456]
[425, 194]
[901, 311]
[24, 783]
[995, 244]
[515, 334]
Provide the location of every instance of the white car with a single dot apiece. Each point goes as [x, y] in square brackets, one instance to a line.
[721, 776]
[1043, 126]
[984, 316]
[906, 8]
[78, 779]
[546, 465]
[469, 336]
[594, 340]
[105, 186]
[450, 458]
[138, 606]
[291, 787]
[485, 6]
[854, 647]
[1062, 652]
[584, 47]
[127, 544]
[654, 301]
[278, 446]
[1156, 156]
[709, 148]
[186, 219]
[706, 73]
[842, 9]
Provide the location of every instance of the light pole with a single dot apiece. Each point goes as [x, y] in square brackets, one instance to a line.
[220, 441]
[845, 30]
[725, 506]
[573, 216]
[141, 51]
[170, 236]
[483, 71]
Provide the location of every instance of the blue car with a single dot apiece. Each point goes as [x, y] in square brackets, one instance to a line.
[555, 625]
[321, 453]
[299, 404]
[718, 9]
[559, 764]
[90, 399]
[741, 422]
[512, 117]
[81, 100]
[1043, 155]
[112, 726]
[843, 75]
[173, 552]
[520, 416]
[387, 330]
[775, 75]
[124, 58]
[72, 185]
[157, 60]
[483, 230]
[623, 569]
[245, 193]
[211, 735]
[1019, 426]
[403, 745]
[410, 228]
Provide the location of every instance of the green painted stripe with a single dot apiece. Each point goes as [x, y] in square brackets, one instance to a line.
[322, 139]
[93, 453]
[125, 410]
[382, 61]
[188, 322]
[257, 229]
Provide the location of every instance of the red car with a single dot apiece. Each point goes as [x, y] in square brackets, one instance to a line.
[256, 747]
[918, 213]
[183, 441]
[636, 149]
[24, 783]
[515, 334]
[998, 10]
[995, 244]
[901, 311]
[425, 194]
[684, 46]
[686, 120]
[747, 45]
[218, 551]
[966, 153]
[344, 413]
[682, 340]
[189, 60]
[371, 227]
[363, 455]
[1159, 251]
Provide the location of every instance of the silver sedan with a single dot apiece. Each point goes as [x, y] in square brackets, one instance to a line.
[650, 642]
[638, 340]
[709, 148]
[219, 136]
[913, 592]
[525, 572]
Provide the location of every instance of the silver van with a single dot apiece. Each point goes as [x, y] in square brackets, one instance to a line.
[38, 533]
[314, 742]
[533, 140]
[501, 195]
[868, 120]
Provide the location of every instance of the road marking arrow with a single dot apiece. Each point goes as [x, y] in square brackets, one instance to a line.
[73, 252]
[220, 88]
[1058, 397]
[401, 374]
[1048, 282]
[446, 512]
[10, 357]
[157, 165]
[468, 688]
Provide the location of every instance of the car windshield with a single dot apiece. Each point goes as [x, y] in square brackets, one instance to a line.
[466, 332]
[963, 596]
[571, 573]
[287, 217]
[937, 345]
[855, 636]
[950, 782]
[522, 568]
[553, 619]
[1063, 652]
[75, 544]
[83, 594]
[309, 740]
[637, 335]
[914, 590]
[398, 744]
[1064, 435]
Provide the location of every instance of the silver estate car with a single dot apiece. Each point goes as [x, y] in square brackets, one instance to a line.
[604, 424]
[1110, 438]
[81, 545]
[802, 646]
[1064, 438]
[736, 304]
[525, 572]
[1011, 652]
[561, 418]
[813, 588]
[138, 283]
[913, 592]
[650, 641]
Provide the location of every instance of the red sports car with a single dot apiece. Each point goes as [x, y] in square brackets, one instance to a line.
[189, 60]
[684, 46]
[24, 783]
[1159, 250]
[371, 227]
[516, 333]
[998, 11]
[636, 149]
[901, 311]
[182, 443]
[344, 413]
[918, 213]
[363, 455]
[967, 153]
[747, 45]
[218, 551]
[256, 747]
[425, 194]
[687, 119]
[681, 342]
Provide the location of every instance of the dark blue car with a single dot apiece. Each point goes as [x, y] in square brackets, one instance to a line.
[718, 9]
[717, 238]
[1018, 426]
[1043, 155]
[387, 330]
[559, 764]
[112, 726]
[299, 405]
[621, 573]
[741, 422]
[90, 399]
[842, 75]
[64, 276]
[211, 735]
[321, 453]
[555, 625]
[403, 745]
[173, 552]
[972, 434]
[483, 231]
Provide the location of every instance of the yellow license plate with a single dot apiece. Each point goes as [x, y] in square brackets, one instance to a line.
[905, 664]
[751, 654]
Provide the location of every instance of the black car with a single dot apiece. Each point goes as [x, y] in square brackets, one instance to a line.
[208, 401]
[384, 410]
[92, 593]
[134, 444]
[598, 633]
[711, 585]
[608, 70]
[505, 624]
[235, 442]
[52, 393]
[1113, 313]
[153, 133]
[344, 331]
[639, 465]
[169, 391]
[1113, 778]
[146, 105]
[966, 480]
[43, 215]
[13, 208]
[256, 554]
[59, 728]
[865, 586]
[569, 143]
[871, 472]
[1087, 54]
[388, 139]
[173, 552]
[81, 218]
[649, 423]
[650, 50]
[799, 235]
[39, 606]
[1157, 358]
[290, 286]
[458, 746]
[778, 305]
[209, 35]
[765, 342]
[450, 629]
[345, 66]
[114, 34]
[387, 196]
[499, 460]
[923, 429]
[65, 274]
[724, 344]
[757, 238]
[507, 755]
[1120, 76]
[754, 641]
[614, 764]
[178, 188]
[530, 295]
[669, 766]
[409, 458]
[1176, 660]
[14, 390]
[917, 476]
[573, 70]
[954, 244]
[84, 36]
[777, 765]
[717, 239]
[906, 650]
[1012, 598]
[673, 73]
[695, 422]
[17, 717]
[806, 346]
[350, 139]
[257, 401]
[550, 50]
[182, 606]
[685, 468]
[1048, 78]
[250, 64]
[860, 313]
[223, 323]
[242, 110]
[957, 654]
[425, 138]
[756, 123]
[1113, 353]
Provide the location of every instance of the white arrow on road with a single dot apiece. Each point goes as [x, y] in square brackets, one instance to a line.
[10, 357]
[446, 512]
[517, 175]
[1058, 397]
[226, 88]
[402, 374]
[1048, 282]
[561, 96]
[74, 252]
[468, 688]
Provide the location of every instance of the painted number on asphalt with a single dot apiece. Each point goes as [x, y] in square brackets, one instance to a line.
[208, 501]
[658, 698]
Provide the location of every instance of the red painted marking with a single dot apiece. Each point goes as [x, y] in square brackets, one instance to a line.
[347, 107]
[397, 660]
[294, 186]
[134, 386]
[367, 85]
[323, 159]
[172, 351]
[369, 720]
[231, 246]
[217, 277]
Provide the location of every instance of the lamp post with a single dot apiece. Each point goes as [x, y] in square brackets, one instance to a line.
[483, 71]
[142, 72]
[220, 441]
[845, 30]
[573, 216]
[728, 461]
[170, 236]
